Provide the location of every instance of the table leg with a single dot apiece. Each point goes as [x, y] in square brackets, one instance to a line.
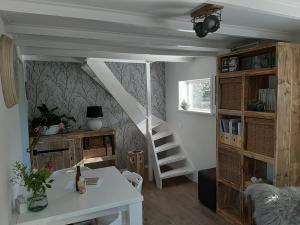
[136, 214]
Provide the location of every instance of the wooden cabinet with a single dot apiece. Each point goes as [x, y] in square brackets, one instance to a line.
[267, 146]
[82, 147]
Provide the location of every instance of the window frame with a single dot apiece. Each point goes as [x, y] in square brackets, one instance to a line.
[188, 84]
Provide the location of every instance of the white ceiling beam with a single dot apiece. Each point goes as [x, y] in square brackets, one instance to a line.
[52, 58]
[122, 17]
[101, 46]
[144, 40]
[35, 51]
[284, 8]
[75, 11]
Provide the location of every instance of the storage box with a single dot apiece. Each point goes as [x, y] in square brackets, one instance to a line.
[260, 136]
[230, 93]
[230, 166]
[207, 188]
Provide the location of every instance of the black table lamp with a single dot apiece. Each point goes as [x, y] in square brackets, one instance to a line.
[95, 113]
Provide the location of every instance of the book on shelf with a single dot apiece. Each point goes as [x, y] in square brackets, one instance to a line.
[268, 98]
[232, 126]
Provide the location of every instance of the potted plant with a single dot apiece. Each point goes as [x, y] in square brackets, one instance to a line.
[49, 122]
[36, 182]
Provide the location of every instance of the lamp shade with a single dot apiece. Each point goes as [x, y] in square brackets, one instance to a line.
[94, 112]
[211, 23]
[199, 29]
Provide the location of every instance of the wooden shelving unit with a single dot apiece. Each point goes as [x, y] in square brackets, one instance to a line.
[269, 141]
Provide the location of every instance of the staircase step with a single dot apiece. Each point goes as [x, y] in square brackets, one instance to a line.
[156, 124]
[161, 134]
[166, 147]
[177, 172]
[171, 159]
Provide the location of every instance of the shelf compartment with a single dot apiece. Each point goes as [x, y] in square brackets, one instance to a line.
[251, 72]
[251, 51]
[256, 156]
[262, 115]
[230, 166]
[259, 169]
[230, 93]
[261, 72]
[230, 130]
[229, 203]
[260, 136]
[253, 85]
[230, 112]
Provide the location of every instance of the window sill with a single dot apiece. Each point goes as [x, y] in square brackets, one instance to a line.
[196, 112]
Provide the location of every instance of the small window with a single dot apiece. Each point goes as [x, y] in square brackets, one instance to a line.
[196, 95]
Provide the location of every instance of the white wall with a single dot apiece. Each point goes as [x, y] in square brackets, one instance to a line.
[197, 131]
[10, 151]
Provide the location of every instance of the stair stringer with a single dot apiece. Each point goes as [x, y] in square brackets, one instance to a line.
[100, 72]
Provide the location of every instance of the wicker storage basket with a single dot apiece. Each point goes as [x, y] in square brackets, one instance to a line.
[230, 93]
[260, 136]
[230, 166]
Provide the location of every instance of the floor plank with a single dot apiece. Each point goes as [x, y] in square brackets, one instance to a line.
[176, 204]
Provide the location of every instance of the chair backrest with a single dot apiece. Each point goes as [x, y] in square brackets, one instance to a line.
[134, 178]
[69, 170]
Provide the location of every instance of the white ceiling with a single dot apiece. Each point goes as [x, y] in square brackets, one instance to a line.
[93, 28]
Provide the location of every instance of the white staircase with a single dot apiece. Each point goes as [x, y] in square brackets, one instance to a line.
[168, 157]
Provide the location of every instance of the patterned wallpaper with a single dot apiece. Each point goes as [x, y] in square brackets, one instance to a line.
[67, 86]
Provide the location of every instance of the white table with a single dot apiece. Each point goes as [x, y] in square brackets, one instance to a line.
[66, 206]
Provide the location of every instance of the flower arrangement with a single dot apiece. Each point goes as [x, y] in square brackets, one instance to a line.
[36, 182]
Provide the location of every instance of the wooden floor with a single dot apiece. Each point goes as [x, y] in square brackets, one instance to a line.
[176, 204]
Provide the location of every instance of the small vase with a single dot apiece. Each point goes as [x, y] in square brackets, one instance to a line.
[37, 202]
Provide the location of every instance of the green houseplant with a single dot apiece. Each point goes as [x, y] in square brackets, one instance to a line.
[36, 182]
[49, 122]
[49, 118]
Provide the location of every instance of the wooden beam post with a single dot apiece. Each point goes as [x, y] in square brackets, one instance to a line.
[149, 121]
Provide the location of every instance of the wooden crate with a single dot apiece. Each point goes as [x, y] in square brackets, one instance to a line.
[229, 166]
[230, 93]
[260, 136]
[135, 161]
